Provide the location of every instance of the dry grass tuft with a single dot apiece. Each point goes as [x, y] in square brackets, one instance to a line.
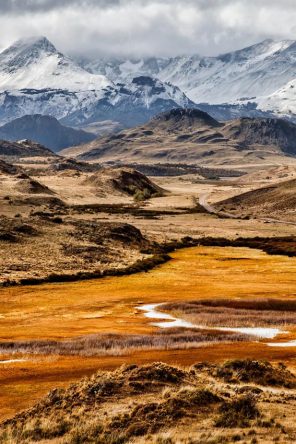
[107, 408]
[250, 371]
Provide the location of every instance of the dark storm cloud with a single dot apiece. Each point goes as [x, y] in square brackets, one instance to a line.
[148, 27]
[21, 6]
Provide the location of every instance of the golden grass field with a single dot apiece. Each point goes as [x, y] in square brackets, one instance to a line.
[61, 311]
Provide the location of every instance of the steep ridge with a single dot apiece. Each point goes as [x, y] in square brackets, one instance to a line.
[131, 104]
[178, 120]
[45, 130]
[36, 63]
[272, 132]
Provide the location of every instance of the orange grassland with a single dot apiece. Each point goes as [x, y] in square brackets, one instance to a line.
[60, 311]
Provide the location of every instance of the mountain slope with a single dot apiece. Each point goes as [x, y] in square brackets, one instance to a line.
[131, 104]
[276, 201]
[191, 135]
[270, 132]
[45, 130]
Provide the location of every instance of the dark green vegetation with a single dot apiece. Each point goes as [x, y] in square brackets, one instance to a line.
[180, 169]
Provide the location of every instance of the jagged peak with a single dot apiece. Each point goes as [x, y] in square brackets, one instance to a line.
[35, 42]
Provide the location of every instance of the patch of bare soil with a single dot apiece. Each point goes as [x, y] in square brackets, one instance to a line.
[159, 403]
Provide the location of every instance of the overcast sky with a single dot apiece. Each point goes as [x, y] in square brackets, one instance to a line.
[148, 27]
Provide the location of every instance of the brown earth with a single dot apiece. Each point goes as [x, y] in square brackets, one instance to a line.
[80, 228]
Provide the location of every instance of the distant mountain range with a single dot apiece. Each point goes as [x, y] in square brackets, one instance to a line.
[35, 78]
[263, 75]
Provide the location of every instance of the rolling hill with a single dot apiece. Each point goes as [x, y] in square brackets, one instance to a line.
[191, 135]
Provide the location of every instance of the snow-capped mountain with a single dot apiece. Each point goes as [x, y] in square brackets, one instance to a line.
[262, 74]
[35, 78]
[241, 75]
[35, 63]
[132, 103]
[124, 69]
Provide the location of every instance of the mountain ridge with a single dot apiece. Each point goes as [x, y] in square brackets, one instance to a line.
[190, 135]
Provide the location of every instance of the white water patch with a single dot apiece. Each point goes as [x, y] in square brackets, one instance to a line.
[12, 361]
[172, 322]
[282, 344]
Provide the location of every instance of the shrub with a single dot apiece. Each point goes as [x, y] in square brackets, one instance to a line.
[238, 413]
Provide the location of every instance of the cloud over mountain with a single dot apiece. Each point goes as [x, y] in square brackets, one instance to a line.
[148, 27]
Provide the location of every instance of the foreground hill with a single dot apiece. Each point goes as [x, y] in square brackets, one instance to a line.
[45, 130]
[274, 201]
[158, 403]
[191, 135]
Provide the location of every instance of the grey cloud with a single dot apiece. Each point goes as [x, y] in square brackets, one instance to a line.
[148, 27]
[21, 6]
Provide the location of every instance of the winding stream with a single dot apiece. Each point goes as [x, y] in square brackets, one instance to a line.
[169, 321]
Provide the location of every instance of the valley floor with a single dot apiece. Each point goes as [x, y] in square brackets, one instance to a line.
[37, 322]
[56, 333]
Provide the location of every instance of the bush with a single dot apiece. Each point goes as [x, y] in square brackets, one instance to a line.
[238, 413]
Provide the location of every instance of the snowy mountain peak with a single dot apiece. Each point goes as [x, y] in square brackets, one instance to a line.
[38, 42]
[26, 51]
[35, 63]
